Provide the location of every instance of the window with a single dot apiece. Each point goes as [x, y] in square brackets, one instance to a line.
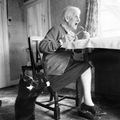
[109, 18]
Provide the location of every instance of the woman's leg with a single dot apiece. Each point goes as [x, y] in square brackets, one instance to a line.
[86, 82]
[88, 104]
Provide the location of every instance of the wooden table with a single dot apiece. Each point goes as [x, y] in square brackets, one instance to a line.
[106, 43]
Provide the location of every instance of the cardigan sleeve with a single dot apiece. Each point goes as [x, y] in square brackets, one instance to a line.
[50, 43]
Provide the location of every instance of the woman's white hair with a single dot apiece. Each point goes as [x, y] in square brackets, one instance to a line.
[69, 12]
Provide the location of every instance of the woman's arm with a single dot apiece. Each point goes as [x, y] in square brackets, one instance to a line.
[50, 43]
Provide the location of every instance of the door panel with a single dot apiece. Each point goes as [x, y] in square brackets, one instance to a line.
[37, 17]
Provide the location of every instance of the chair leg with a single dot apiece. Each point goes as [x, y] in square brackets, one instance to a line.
[57, 109]
[79, 93]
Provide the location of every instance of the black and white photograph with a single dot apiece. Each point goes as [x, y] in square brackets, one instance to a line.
[60, 60]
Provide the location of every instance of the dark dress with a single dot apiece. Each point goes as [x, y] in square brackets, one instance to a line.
[71, 74]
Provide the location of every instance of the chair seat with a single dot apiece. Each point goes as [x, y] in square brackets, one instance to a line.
[38, 67]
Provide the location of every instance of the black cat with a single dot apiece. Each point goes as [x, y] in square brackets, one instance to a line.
[27, 93]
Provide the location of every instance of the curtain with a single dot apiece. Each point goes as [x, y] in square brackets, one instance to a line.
[91, 26]
[91, 23]
[109, 18]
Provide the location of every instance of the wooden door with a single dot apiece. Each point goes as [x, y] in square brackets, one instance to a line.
[37, 17]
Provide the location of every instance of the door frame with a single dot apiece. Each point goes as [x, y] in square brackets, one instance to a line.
[5, 80]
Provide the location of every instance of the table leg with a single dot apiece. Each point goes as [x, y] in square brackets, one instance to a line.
[0, 103]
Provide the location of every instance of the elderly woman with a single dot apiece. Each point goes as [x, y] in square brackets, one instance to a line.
[59, 64]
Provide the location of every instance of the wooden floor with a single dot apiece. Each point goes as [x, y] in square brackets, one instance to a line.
[68, 110]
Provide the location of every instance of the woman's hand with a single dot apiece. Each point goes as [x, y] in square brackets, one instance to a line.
[86, 35]
[70, 38]
[68, 41]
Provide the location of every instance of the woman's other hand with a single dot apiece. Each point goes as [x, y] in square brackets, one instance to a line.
[86, 35]
[67, 41]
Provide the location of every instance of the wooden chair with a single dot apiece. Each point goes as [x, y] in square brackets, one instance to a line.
[55, 98]
[35, 60]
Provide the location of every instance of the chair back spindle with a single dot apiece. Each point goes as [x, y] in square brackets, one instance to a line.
[32, 58]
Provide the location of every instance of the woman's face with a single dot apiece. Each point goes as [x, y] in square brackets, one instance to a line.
[74, 21]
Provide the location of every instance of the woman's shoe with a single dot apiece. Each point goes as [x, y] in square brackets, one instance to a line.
[88, 115]
[85, 114]
[95, 110]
